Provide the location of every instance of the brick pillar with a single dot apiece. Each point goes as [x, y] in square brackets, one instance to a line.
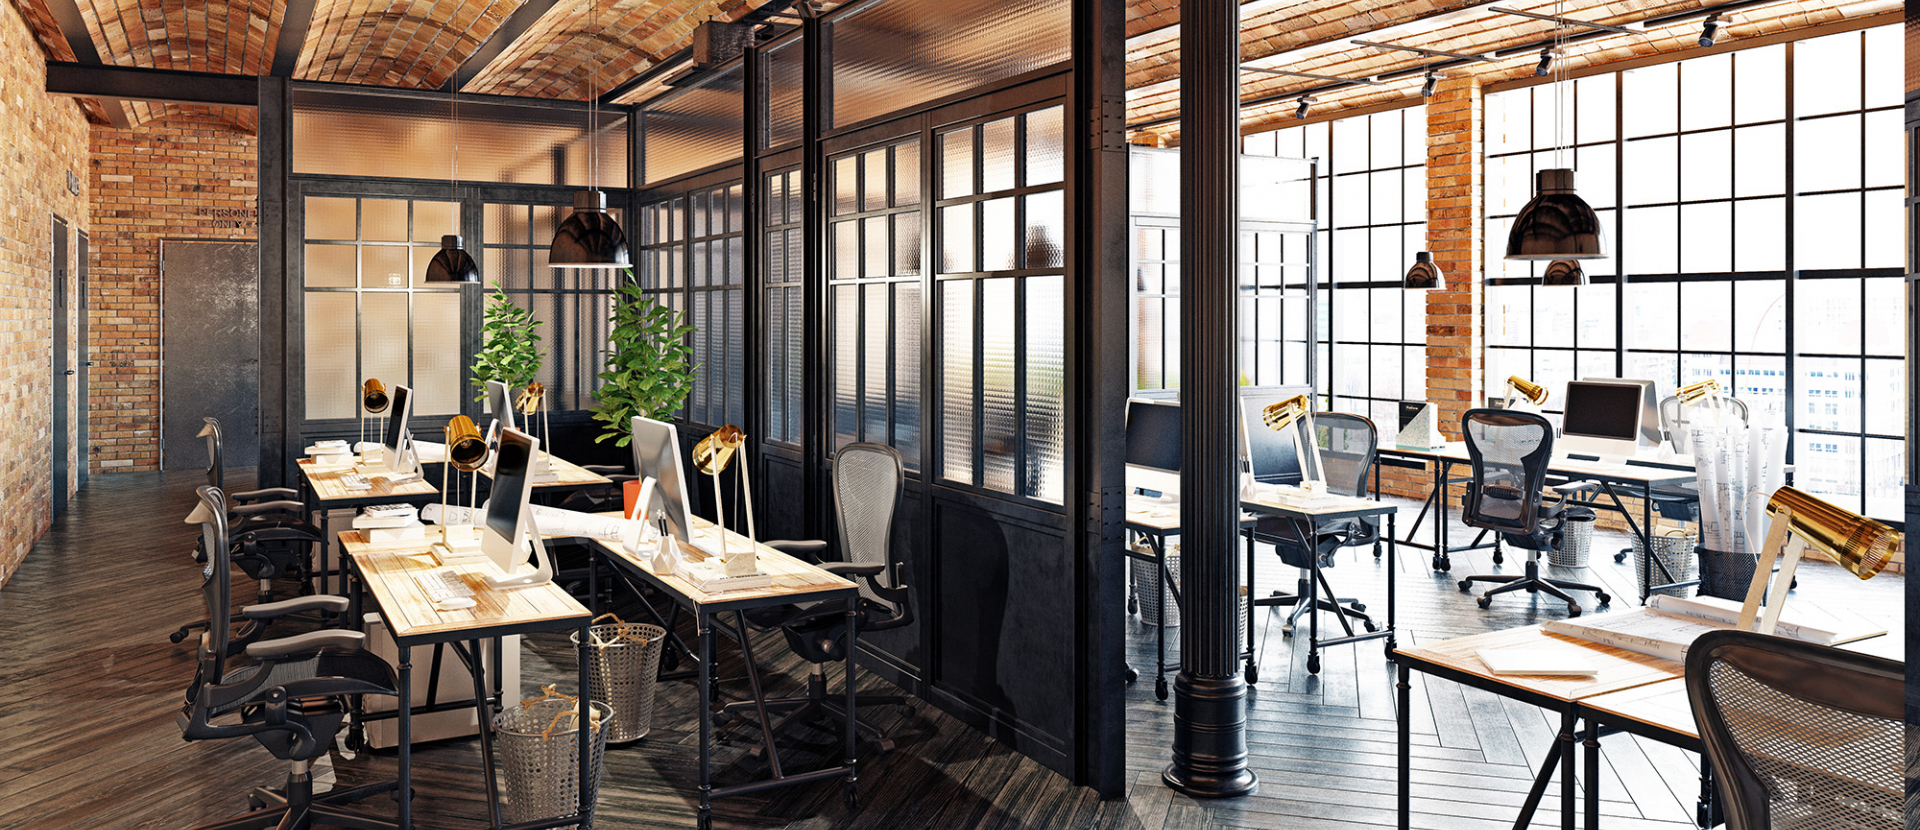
[1454, 235]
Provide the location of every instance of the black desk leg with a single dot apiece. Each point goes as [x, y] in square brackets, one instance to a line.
[1405, 688]
[404, 793]
[1568, 720]
[485, 711]
[703, 625]
[1313, 601]
[1442, 553]
[852, 786]
[1159, 544]
[1593, 774]
[759, 698]
[1253, 668]
[1704, 812]
[1393, 566]
[583, 730]
[1539, 789]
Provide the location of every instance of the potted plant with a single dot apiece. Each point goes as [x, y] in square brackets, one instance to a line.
[510, 350]
[649, 366]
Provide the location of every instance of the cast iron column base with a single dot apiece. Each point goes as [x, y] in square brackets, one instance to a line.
[1210, 738]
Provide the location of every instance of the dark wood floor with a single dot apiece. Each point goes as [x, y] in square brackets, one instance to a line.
[88, 740]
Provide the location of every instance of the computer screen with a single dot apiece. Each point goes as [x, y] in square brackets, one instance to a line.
[656, 455]
[500, 403]
[510, 473]
[395, 434]
[1153, 435]
[1602, 410]
[1271, 456]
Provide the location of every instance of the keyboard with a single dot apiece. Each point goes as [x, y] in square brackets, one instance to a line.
[442, 584]
[355, 481]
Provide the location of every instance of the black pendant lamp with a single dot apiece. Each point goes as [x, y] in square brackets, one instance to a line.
[1424, 274]
[1564, 273]
[590, 238]
[1557, 224]
[452, 263]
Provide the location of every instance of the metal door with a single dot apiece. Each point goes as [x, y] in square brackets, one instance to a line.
[62, 374]
[209, 351]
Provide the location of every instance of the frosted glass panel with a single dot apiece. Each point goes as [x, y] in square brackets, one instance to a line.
[906, 172]
[1046, 230]
[998, 428]
[996, 155]
[331, 386]
[906, 244]
[436, 353]
[873, 398]
[955, 47]
[332, 265]
[385, 267]
[1046, 146]
[846, 365]
[956, 239]
[906, 372]
[694, 129]
[331, 218]
[956, 380]
[877, 258]
[846, 184]
[431, 220]
[997, 235]
[352, 134]
[956, 163]
[1045, 357]
[383, 337]
[782, 64]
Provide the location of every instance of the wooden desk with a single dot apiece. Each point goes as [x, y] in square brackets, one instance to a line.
[566, 475]
[387, 573]
[1308, 516]
[794, 582]
[1155, 530]
[322, 491]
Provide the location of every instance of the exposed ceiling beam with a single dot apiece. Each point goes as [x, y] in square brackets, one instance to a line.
[1432, 53]
[73, 27]
[294, 24]
[764, 13]
[1564, 21]
[510, 31]
[1310, 76]
[170, 86]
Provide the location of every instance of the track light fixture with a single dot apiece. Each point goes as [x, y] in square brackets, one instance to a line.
[1433, 82]
[1546, 62]
[1710, 31]
[1300, 112]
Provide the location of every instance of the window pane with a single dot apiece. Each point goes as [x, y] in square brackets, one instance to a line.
[1649, 105]
[332, 265]
[331, 218]
[1760, 157]
[1827, 231]
[331, 380]
[1705, 324]
[1828, 466]
[1706, 233]
[1827, 153]
[998, 367]
[1651, 241]
[1826, 318]
[1886, 397]
[1826, 74]
[1760, 238]
[1759, 76]
[1705, 171]
[1654, 170]
[1704, 83]
[1652, 316]
[1045, 357]
[1593, 108]
[1760, 316]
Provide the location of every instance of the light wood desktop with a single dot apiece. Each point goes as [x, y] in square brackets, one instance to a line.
[565, 475]
[323, 491]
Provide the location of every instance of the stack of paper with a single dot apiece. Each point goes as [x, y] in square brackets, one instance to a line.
[1555, 662]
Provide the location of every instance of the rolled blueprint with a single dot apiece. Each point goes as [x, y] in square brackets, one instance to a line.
[1738, 482]
[554, 522]
[1703, 453]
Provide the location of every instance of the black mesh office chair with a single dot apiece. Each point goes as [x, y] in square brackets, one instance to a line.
[1509, 451]
[867, 482]
[1799, 735]
[292, 696]
[1348, 444]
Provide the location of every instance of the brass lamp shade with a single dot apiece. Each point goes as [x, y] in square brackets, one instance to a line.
[452, 263]
[590, 238]
[1557, 224]
[466, 448]
[1861, 545]
[1424, 274]
[1279, 416]
[715, 452]
[1693, 393]
[530, 397]
[373, 396]
[1535, 393]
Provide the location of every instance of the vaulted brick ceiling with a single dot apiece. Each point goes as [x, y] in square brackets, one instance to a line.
[571, 49]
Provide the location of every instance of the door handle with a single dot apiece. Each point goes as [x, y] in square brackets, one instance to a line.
[69, 371]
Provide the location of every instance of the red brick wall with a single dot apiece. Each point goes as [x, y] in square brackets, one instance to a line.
[43, 138]
[1454, 231]
[187, 177]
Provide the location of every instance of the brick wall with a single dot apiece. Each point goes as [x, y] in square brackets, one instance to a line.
[191, 176]
[1454, 235]
[45, 139]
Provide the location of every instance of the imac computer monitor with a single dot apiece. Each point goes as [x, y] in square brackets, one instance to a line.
[1153, 446]
[1272, 457]
[1602, 419]
[508, 520]
[394, 440]
[1651, 435]
[500, 403]
[656, 455]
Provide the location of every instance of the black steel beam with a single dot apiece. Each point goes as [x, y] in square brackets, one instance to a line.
[764, 14]
[170, 86]
[1209, 696]
[294, 23]
[509, 32]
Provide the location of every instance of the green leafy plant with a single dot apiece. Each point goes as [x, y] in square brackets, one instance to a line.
[649, 366]
[510, 350]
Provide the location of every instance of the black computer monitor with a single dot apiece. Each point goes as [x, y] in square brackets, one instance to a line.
[1602, 417]
[394, 438]
[1153, 445]
[1272, 457]
[510, 528]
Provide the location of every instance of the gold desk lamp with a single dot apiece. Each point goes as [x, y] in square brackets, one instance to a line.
[1279, 417]
[466, 453]
[1703, 392]
[531, 402]
[712, 456]
[1798, 521]
[1518, 386]
[373, 397]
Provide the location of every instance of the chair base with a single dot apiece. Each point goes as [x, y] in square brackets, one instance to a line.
[817, 703]
[1347, 608]
[295, 807]
[1532, 582]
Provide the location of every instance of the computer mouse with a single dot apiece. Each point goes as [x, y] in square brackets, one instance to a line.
[455, 603]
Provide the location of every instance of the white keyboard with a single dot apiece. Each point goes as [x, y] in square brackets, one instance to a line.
[442, 584]
[355, 481]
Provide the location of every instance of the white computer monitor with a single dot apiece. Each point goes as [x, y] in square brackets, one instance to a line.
[1602, 419]
[500, 404]
[656, 456]
[508, 522]
[1153, 447]
[395, 438]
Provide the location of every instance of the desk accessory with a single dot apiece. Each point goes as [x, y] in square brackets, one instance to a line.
[1279, 416]
[1419, 426]
[712, 456]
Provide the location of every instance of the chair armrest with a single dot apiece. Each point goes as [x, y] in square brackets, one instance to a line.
[852, 569]
[807, 549]
[276, 493]
[256, 508]
[308, 642]
[271, 610]
[605, 469]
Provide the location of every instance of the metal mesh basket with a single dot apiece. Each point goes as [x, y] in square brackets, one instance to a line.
[1576, 539]
[624, 665]
[1156, 600]
[1675, 551]
[539, 755]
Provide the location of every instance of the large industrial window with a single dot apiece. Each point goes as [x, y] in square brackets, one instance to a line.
[874, 289]
[1002, 255]
[369, 312]
[1760, 243]
[572, 304]
[716, 250]
[661, 255]
[785, 266]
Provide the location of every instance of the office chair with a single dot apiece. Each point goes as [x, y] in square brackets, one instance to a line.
[1799, 735]
[1348, 444]
[1509, 451]
[291, 697]
[867, 482]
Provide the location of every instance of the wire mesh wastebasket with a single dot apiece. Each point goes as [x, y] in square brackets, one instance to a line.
[539, 756]
[1576, 539]
[1156, 600]
[1675, 549]
[623, 666]
[1725, 574]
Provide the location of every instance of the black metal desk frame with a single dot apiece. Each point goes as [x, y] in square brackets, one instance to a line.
[1309, 525]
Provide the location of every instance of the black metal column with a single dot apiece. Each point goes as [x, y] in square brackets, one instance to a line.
[1913, 368]
[816, 421]
[1209, 696]
[278, 363]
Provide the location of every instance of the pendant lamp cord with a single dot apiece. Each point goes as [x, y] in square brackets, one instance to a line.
[593, 97]
[1559, 90]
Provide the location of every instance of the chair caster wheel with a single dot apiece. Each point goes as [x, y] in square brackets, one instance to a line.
[1499, 558]
[255, 802]
[1484, 602]
[1622, 556]
[1442, 565]
[177, 636]
[1466, 586]
[851, 799]
[1133, 605]
[1391, 645]
[1160, 688]
[1274, 594]
[1253, 675]
[705, 822]
[1359, 606]
[1371, 627]
[1313, 664]
[1533, 589]
[1573, 610]
[1603, 598]
[721, 718]
[886, 746]
[1131, 674]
